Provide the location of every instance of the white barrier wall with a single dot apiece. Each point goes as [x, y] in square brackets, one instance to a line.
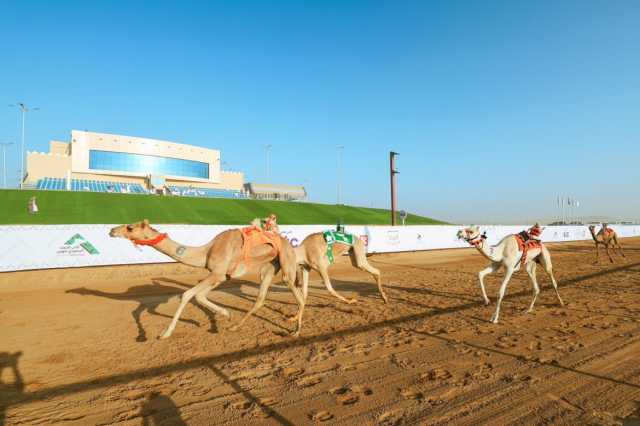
[26, 247]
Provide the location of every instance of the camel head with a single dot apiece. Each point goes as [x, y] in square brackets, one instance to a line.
[470, 233]
[592, 228]
[138, 231]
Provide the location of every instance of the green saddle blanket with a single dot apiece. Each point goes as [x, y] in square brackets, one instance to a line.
[332, 237]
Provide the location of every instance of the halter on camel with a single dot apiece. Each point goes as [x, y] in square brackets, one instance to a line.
[475, 241]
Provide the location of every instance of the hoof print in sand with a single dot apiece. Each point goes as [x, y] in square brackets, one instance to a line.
[320, 416]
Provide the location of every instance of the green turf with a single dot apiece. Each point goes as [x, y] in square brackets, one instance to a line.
[62, 207]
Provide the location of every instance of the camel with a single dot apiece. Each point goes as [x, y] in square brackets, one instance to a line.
[312, 254]
[607, 237]
[224, 258]
[510, 254]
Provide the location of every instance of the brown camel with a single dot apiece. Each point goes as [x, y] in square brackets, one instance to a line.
[607, 237]
[225, 258]
[312, 254]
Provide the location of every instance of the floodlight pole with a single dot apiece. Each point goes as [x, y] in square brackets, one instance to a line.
[339, 172]
[24, 110]
[393, 173]
[4, 145]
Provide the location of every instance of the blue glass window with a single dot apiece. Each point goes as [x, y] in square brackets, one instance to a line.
[149, 164]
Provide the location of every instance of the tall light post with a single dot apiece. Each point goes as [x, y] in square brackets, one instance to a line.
[340, 149]
[24, 110]
[268, 154]
[393, 173]
[4, 145]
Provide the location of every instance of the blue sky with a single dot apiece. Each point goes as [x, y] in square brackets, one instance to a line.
[494, 107]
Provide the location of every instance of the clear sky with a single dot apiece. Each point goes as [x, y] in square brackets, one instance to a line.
[496, 108]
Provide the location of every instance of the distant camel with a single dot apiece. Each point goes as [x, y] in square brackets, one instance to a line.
[227, 256]
[510, 253]
[148, 297]
[313, 253]
[607, 237]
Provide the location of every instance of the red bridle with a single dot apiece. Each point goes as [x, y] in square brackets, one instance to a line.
[152, 242]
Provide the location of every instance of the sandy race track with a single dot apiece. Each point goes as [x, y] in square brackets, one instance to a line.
[80, 347]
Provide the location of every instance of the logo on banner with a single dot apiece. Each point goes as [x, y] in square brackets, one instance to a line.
[393, 237]
[77, 246]
[291, 238]
[364, 239]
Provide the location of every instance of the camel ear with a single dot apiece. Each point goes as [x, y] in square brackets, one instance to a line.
[145, 223]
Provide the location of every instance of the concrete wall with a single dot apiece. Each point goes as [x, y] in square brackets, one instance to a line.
[40, 165]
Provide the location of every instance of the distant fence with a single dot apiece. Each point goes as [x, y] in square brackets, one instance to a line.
[29, 247]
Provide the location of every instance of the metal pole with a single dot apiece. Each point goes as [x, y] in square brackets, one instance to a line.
[4, 163]
[393, 172]
[24, 111]
[338, 173]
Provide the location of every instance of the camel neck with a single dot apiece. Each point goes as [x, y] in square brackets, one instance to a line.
[192, 256]
[487, 252]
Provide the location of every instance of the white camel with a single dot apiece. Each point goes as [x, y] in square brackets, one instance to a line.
[509, 253]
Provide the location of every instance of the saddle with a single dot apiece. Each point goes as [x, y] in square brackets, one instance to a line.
[253, 236]
[526, 243]
[332, 237]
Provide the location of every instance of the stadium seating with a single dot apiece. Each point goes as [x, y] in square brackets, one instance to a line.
[85, 185]
[205, 192]
[52, 184]
[60, 184]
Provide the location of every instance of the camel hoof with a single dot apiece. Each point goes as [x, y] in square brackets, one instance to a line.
[351, 301]
[295, 333]
[292, 318]
[165, 335]
[487, 302]
[225, 313]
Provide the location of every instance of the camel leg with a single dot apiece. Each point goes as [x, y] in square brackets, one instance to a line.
[486, 271]
[606, 247]
[617, 243]
[305, 282]
[531, 271]
[548, 268]
[323, 270]
[210, 282]
[206, 303]
[503, 289]
[597, 254]
[267, 273]
[359, 260]
[300, 300]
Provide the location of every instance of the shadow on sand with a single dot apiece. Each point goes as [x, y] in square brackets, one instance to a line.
[9, 392]
[148, 297]
[158, 409]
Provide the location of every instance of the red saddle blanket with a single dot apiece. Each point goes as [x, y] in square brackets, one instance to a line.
[525, 246]
[253, 236]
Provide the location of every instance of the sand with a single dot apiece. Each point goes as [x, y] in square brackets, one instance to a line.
[84, 345]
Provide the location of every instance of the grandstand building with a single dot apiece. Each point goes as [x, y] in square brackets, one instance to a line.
[102, 162]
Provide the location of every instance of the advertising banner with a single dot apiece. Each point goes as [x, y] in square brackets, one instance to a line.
[28, 247]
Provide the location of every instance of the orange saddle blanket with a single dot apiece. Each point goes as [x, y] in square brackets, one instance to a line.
[525, 246]
[253, 236]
